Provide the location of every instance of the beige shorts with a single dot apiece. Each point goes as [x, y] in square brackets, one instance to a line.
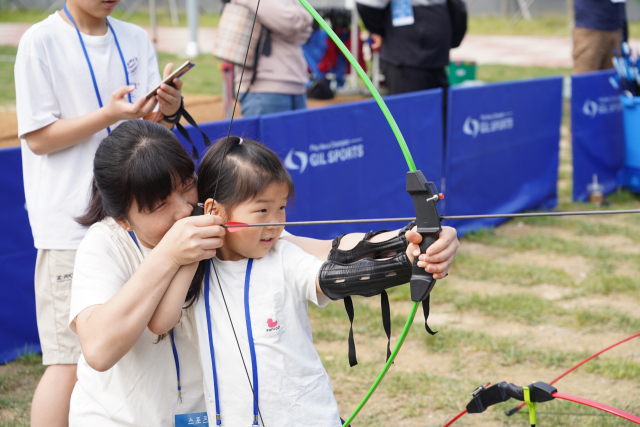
[593, 49]
[54, 270]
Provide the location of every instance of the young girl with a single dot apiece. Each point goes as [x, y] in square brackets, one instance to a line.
[137, 260]
[256, 291]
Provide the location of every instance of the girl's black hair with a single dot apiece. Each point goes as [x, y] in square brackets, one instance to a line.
[245, 170]
[140, 160]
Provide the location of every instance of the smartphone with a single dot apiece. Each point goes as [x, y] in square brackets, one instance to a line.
[175, 75]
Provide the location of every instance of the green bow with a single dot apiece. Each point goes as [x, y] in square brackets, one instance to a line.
[412, 167]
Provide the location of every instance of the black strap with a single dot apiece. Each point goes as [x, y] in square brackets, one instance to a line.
[386, 319]
[175, 119]
[425, 310]
[348, 305]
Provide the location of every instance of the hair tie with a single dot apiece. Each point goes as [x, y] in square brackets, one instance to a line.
[240, 143]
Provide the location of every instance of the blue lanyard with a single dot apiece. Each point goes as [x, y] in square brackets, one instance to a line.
[86, 55]
[173, 342]
[252, 348]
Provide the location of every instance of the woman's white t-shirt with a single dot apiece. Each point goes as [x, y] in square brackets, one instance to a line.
[293, 386]
[138, 390]
[53, 82]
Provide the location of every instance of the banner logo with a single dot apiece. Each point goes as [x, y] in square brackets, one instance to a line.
[471, 127]
[325, 153]
[304, 160]
[604, 105]
[488, 123]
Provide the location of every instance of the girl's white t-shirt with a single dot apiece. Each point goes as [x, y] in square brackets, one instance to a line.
[138, 390]
[293, 386]
[53, 82]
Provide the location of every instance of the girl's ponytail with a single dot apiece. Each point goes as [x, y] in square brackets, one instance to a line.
[95, 212]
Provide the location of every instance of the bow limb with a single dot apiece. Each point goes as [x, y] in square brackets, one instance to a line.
[412, 168]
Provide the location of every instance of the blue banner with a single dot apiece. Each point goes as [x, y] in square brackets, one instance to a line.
[18, 329]
[502, 151]
[346, 162]
[598, 135]
[244, 127]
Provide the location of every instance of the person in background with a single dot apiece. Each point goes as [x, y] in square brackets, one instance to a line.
[281, 77]
[414, 37]
[77, 76]
[598, 32]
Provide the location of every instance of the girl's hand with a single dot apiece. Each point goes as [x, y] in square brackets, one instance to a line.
[439, 255]
[168, 96]
[119, 107]
[192, 239]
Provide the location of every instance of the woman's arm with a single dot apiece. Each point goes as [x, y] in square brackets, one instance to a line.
[108, 331]
[169, 311]
[437, 260]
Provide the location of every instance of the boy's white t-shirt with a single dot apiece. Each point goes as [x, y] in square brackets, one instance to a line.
[293, 387]
[53, 82]
[140, 388]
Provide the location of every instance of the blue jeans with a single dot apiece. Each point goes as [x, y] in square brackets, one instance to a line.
[256, 104]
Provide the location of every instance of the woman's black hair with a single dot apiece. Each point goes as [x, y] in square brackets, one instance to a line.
[244, 171]
[139, 161]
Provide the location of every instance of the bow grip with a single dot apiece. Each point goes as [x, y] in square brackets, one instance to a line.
[425, 196]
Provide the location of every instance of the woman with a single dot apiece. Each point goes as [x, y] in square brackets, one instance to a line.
[143, 194]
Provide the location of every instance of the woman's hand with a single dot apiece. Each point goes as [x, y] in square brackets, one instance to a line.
[192, 239]
[439, 255]
[169, 97]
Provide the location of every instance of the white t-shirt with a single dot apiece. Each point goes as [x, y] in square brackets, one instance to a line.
[53, 82]
[293, 386]
[138, 390]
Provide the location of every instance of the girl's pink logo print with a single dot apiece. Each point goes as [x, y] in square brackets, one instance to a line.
[271, 323]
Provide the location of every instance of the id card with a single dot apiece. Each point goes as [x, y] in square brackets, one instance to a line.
[401, 13]
[189, 413]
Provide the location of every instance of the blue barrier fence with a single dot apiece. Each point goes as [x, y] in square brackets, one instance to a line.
[19, 332]
[502, 149]
[501, 155]
[598, 136]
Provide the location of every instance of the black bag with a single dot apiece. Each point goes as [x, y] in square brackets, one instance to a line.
[458, 15]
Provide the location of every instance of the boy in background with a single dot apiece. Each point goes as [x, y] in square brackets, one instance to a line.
[78, 74]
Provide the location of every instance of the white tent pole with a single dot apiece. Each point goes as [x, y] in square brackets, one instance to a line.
[192, 49]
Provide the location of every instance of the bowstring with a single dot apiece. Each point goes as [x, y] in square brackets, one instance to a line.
[215, 191]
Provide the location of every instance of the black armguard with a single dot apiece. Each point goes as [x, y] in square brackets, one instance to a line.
[366, 277]
[366, 249]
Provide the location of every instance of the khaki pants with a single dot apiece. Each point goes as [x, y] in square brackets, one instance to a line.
[593, 49]
[54, 271]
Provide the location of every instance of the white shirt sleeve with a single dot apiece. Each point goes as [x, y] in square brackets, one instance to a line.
[154, 68]
[301, 271]
[101, 269]
[36, 104]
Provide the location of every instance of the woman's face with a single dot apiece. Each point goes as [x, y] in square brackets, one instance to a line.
[151, 226]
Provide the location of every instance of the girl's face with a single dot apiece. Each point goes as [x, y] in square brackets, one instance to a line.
[254, 242]
[150, 227]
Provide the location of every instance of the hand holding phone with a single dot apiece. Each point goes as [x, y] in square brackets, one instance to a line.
[169, 80]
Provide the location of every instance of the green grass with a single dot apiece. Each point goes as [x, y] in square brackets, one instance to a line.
[17, 382]
[497, 73]
[552, 25]
[139, 18]
[7, 83]
[204, 78]
[480, 268]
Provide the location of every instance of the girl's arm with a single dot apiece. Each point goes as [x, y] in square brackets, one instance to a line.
[108, 331]
[169, 311]
[437, 260]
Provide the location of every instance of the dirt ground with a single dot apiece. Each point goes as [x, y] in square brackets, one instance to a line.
[203, 108]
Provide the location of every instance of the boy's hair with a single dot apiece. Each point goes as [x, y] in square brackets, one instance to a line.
[141, 161]
[248, 169]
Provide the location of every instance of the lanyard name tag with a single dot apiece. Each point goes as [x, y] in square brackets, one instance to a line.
[189, 412]
[402, 13]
